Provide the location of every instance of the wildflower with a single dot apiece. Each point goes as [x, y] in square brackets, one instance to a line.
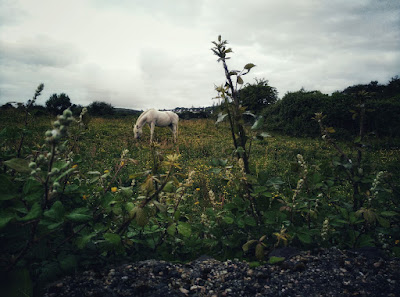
[376, 182]
[197, 203]
[211, 195]
[124, 153]
[75, 166]
[106, 171]
[197, 189]
[241, 165]
[122, 163]
[114, 189]
[189, 180]
[325, 229]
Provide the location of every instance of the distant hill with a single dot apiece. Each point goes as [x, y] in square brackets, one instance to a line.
[126, 111]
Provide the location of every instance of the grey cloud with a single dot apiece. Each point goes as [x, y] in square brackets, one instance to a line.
[41, 51]
[157, 54]
[10, 14]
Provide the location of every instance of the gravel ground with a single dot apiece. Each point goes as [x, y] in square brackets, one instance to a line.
[322, 272]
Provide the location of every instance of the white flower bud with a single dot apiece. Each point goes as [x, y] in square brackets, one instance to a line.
[67, 113]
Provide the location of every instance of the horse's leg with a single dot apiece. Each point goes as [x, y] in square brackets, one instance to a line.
[175, 132]
[152, 125]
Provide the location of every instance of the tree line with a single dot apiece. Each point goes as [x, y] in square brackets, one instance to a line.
[291, 115]
[379, 104]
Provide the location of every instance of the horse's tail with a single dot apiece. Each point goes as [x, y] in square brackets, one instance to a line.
[177, 127]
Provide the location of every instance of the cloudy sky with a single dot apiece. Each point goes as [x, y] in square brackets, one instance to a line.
[140, 54]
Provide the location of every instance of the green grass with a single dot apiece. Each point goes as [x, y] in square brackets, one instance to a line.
[208, 205]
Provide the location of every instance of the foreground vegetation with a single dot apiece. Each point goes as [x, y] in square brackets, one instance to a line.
[79, 192]
[94, 196]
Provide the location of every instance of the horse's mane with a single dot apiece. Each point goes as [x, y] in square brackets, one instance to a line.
[143, 114]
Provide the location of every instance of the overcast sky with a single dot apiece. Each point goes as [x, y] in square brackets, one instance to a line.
[142, 54]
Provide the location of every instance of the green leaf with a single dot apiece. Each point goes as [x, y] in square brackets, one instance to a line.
[304, 237]
[330, 130]
[218, 162]
[344, 213]
[250, 221]
[240, 80]
[67, 172]
[249, 113]
[249, 66]
[56, 212]
[172, 229]
[215, 170]
[169, 187]
[5, 219]
[258, 123]
[240, 222]
[221, 117]
[265, 135]
[161, 207]
[79, 215]
[83, 240]
[274, 181]
[229, 50]
[33, 190]
[112, 238]
[33, 213]
[254, 264]
[274, 260]
[19, 165]
[141, 216]
[94, 173]
[248, 244]
[184, 229]
[240, 150]
[52, 226]
[228, 220]
[389, 213]
[260, 251]
[383, 222]
[8, 189]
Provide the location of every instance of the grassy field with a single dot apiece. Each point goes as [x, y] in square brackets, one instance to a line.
[99, 195]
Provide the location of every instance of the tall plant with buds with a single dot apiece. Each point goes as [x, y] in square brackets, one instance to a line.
[28, 106]
[229, 93]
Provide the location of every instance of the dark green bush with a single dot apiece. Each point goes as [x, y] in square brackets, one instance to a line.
[98, 108]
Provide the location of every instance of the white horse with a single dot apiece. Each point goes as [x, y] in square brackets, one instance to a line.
[154, 118]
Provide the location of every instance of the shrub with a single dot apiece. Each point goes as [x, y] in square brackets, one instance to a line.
[99, 108]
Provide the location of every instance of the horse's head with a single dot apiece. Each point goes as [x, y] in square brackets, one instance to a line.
[137, 132]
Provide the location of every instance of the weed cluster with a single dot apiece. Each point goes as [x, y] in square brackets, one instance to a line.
[85, 194]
